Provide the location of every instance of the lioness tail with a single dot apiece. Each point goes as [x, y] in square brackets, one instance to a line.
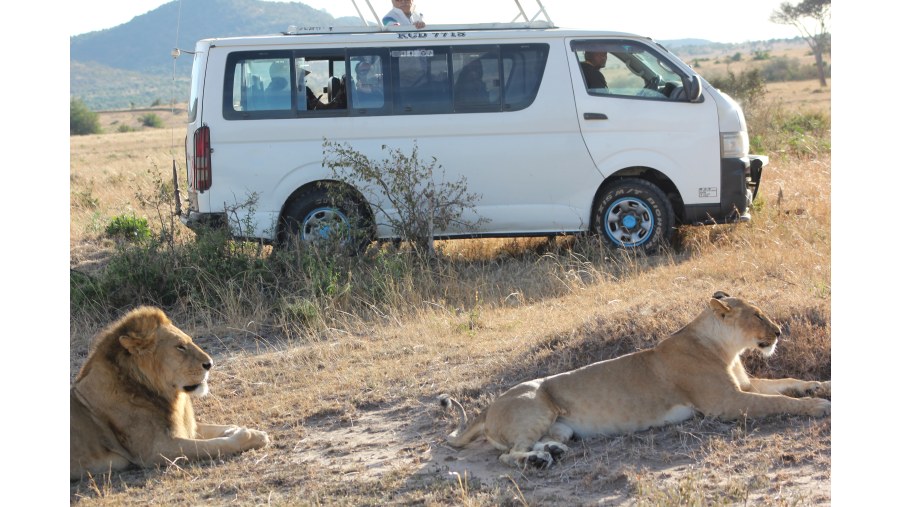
[462, 435]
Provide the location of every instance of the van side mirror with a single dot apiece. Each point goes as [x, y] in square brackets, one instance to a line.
[694, 88]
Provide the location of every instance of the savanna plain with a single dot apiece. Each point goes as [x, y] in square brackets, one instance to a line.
[341, 359]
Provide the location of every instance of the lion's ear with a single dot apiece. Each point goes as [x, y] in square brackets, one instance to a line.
[138, 329]
[137, 344]
[721, 295]
[720, 307]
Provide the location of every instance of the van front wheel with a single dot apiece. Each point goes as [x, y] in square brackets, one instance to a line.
[633, 213]
[314, 216]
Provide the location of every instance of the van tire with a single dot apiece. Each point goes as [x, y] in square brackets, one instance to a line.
[313, 214]
[633, 214]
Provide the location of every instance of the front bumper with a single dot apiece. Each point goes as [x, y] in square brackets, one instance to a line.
[740, 179]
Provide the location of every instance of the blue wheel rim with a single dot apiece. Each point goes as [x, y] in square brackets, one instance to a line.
[629, 222]
[322, 222]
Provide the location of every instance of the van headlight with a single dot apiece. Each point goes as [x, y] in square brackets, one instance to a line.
[735, 144]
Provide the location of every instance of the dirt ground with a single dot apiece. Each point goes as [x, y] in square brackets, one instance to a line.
[598, 471]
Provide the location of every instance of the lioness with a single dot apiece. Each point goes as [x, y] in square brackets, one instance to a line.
[130, 403]
[697, 369]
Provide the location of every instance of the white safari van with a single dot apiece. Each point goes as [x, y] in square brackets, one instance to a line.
[507, 106]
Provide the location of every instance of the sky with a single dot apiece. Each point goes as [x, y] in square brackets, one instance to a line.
[715, 20]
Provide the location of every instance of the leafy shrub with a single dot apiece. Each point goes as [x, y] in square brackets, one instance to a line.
[415, 201]
[82, 121]
[151, 120]
[130, 228]
[748, 87]
[125, 128]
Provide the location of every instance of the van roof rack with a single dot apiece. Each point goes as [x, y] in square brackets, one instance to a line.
[520, 21]
[320, 30]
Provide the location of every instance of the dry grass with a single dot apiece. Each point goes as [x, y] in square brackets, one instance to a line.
[352, 413]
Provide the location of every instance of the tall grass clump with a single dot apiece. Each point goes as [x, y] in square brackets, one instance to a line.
[306, 288]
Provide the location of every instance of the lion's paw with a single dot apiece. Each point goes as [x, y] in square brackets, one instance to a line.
[822, 389]
[230, 430]
[250, 439]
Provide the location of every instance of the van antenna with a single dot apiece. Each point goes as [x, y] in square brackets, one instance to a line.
[175, 54]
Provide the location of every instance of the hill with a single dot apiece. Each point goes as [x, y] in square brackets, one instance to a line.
[131, 64]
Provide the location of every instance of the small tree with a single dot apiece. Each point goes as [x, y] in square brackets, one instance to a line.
[816, 34]
[406, 192]
[82, 121]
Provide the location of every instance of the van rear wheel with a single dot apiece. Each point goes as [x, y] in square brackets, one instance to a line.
[633, 214]
[316, 216]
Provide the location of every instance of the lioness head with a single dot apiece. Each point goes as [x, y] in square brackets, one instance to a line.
[757, 330]
[166, 357]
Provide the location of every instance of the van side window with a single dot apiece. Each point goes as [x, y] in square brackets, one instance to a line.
[627, 69]
[522, 72]
[476, 80]
[422, 80]
[320, 82]
[259, 84]
[366, 85]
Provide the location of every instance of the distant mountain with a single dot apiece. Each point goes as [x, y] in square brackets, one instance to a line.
[131, 64]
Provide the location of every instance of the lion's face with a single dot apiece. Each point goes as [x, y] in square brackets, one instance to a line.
[754, 327]
[182, 364]
[169, 359]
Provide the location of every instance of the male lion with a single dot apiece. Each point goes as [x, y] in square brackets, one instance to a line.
[131, 405]
[697, 369]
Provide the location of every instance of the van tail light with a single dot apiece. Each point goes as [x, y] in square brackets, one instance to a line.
[202, 160]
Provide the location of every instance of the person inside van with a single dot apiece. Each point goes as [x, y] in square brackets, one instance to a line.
[470, 88]
[403, 13]
[368, 90]
[278, 94]
[590, 67]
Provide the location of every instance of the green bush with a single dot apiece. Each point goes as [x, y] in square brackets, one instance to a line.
[151, 120]
[129, 228]
[82, 121]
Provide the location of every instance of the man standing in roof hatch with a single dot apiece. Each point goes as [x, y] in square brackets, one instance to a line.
[403, 13]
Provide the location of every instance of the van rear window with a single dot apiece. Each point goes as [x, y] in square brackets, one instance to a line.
[382, 81]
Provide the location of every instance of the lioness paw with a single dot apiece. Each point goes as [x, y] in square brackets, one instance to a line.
[819, 407]
[540, 459]
[258, 439]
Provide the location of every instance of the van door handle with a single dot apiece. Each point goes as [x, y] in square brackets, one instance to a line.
[595, 116]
